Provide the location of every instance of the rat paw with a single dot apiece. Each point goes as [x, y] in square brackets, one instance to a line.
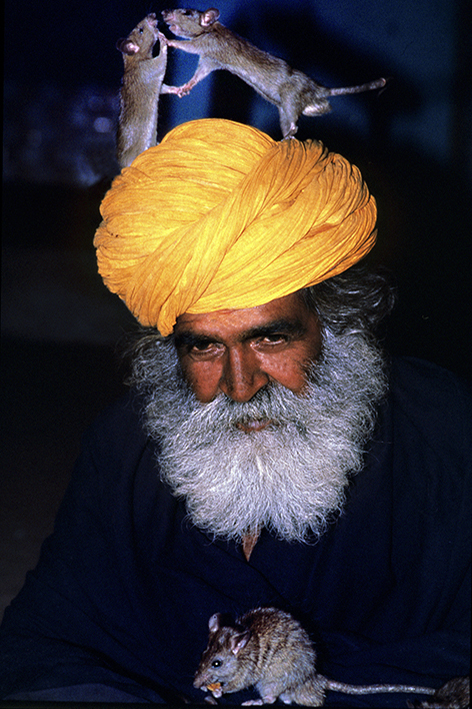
[268, 699]
[185, 89]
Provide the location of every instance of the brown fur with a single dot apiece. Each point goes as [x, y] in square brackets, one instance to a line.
[293, 92]
[269, 650]
[142, 84]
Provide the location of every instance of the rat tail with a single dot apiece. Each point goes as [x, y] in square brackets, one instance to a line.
[376, 688]
[370, 86]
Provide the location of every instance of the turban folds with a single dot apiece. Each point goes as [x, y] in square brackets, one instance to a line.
[220, 216]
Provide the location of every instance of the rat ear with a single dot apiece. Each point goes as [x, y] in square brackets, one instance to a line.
[239, 641]
[209, 17]
[214, 622]
[127, 47]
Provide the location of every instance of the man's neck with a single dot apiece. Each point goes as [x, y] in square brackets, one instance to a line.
[249, 542]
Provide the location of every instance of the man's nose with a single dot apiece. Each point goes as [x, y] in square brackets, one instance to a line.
[242, 374]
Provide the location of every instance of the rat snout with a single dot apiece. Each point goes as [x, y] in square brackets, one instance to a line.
[203, 679]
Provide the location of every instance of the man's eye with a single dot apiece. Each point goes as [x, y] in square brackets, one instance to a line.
[201, 349]
[275, 339]
[202, 346]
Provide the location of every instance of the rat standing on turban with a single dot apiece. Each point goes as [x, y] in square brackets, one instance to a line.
[268, 453]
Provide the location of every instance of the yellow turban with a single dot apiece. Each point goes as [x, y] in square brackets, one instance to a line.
[219, 215]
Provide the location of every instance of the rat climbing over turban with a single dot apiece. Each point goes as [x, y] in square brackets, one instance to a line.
[219, 215]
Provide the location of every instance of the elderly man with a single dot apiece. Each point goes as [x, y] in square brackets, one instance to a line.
[267, 454]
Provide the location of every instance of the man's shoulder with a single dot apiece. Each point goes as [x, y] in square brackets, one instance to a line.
[116, 457]
[432, 399]
[118, 433]
[126, 413]
[428, 382]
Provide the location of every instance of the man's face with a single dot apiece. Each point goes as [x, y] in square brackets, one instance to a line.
[265, 439]
[238, 352]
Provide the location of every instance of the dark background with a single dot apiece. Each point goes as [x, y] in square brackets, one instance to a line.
[61, 362]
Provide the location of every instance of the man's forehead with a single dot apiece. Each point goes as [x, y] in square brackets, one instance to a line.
[287, 310]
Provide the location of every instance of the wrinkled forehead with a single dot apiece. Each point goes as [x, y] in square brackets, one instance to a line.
[288, 309]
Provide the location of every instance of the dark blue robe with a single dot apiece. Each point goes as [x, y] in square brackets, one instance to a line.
[119, 603]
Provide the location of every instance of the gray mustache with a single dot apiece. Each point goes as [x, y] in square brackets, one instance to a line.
[272, 403]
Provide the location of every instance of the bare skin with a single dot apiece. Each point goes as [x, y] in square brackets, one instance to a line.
[238, 352]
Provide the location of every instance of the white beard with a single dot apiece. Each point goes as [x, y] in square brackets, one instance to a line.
[289, 477]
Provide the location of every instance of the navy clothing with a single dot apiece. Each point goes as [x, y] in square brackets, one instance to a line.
[125, 585]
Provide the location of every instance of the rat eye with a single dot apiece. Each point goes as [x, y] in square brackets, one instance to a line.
[216, 663]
